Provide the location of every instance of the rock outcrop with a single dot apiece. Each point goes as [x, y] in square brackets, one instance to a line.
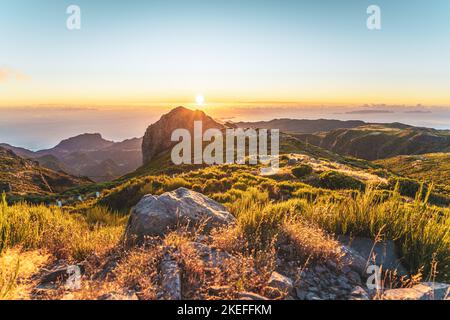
[422, 291]
[381, 254]
[157, 138]
[156, 215]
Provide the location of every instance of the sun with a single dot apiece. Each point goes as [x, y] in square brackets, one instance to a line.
[200, 99]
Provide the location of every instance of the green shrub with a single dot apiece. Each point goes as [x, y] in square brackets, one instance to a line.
[335, 180]
[302, 171]
[407, 187]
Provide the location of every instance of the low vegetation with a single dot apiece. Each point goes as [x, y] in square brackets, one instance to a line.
[302, 207]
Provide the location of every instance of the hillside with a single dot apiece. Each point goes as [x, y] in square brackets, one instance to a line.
[432, 167]
[88, 155]
[19, 176]
[379, 141]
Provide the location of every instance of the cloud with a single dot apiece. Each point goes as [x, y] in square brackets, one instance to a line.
[7, 74]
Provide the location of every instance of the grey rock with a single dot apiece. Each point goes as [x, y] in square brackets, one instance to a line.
[385, 252]
[354, 277]
[312, 296]
[301, 293]
[280, 282]
[171, 279]
[250, 296]
[320, 269]
[358, 293]
[156, 215]
[422, 291]
[61, 273]
[210, 256]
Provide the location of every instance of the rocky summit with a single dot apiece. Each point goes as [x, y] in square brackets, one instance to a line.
[157, 138]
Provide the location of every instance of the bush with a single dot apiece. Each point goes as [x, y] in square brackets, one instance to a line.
[302, 171]
[338, 181]
[406, 187]
[63, 234]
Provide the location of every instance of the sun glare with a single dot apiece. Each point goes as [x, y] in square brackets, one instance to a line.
[200, 99]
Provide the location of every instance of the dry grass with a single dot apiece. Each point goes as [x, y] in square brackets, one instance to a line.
[16, 271]
[310, 242]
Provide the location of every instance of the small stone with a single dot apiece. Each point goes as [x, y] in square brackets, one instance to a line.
[354, 277]
[312, 296]
[359, 293]
[301, 294]
[331, 264]
[280, 282]
[320, 269]
[346, 269]
[218, 290]
[250, 296]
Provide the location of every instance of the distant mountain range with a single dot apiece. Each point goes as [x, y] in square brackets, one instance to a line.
[301, 125]
[360, 139]
[102, 160]
[24, 176]
[88, 155]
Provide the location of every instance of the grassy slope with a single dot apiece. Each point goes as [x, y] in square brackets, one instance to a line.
[433, 167]
[27, 177]
[373, 142]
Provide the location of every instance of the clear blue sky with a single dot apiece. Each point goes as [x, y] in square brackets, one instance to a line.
[143, 51]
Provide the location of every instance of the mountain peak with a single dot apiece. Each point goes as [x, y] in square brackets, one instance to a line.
[157, 138]
[85, 141]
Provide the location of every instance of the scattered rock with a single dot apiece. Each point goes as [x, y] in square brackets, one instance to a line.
[250, 296]
[61, 273]
[210, 256]
[301, 294]
[422, 291]
[128, 295]
[171, 279]
[156, 215]
[358, 293]
[352, 260]
[353, 277]
[106, 270]
[280, 282]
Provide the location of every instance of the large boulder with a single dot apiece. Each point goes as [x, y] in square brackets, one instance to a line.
[157, 138]
[382, 253]
[156, 215]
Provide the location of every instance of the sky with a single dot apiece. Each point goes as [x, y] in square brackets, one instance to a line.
[149, 52]
[140, 57]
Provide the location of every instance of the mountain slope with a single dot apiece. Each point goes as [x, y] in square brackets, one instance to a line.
[379, 141]
[433, 167]
[88, 155]
[22, 176]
